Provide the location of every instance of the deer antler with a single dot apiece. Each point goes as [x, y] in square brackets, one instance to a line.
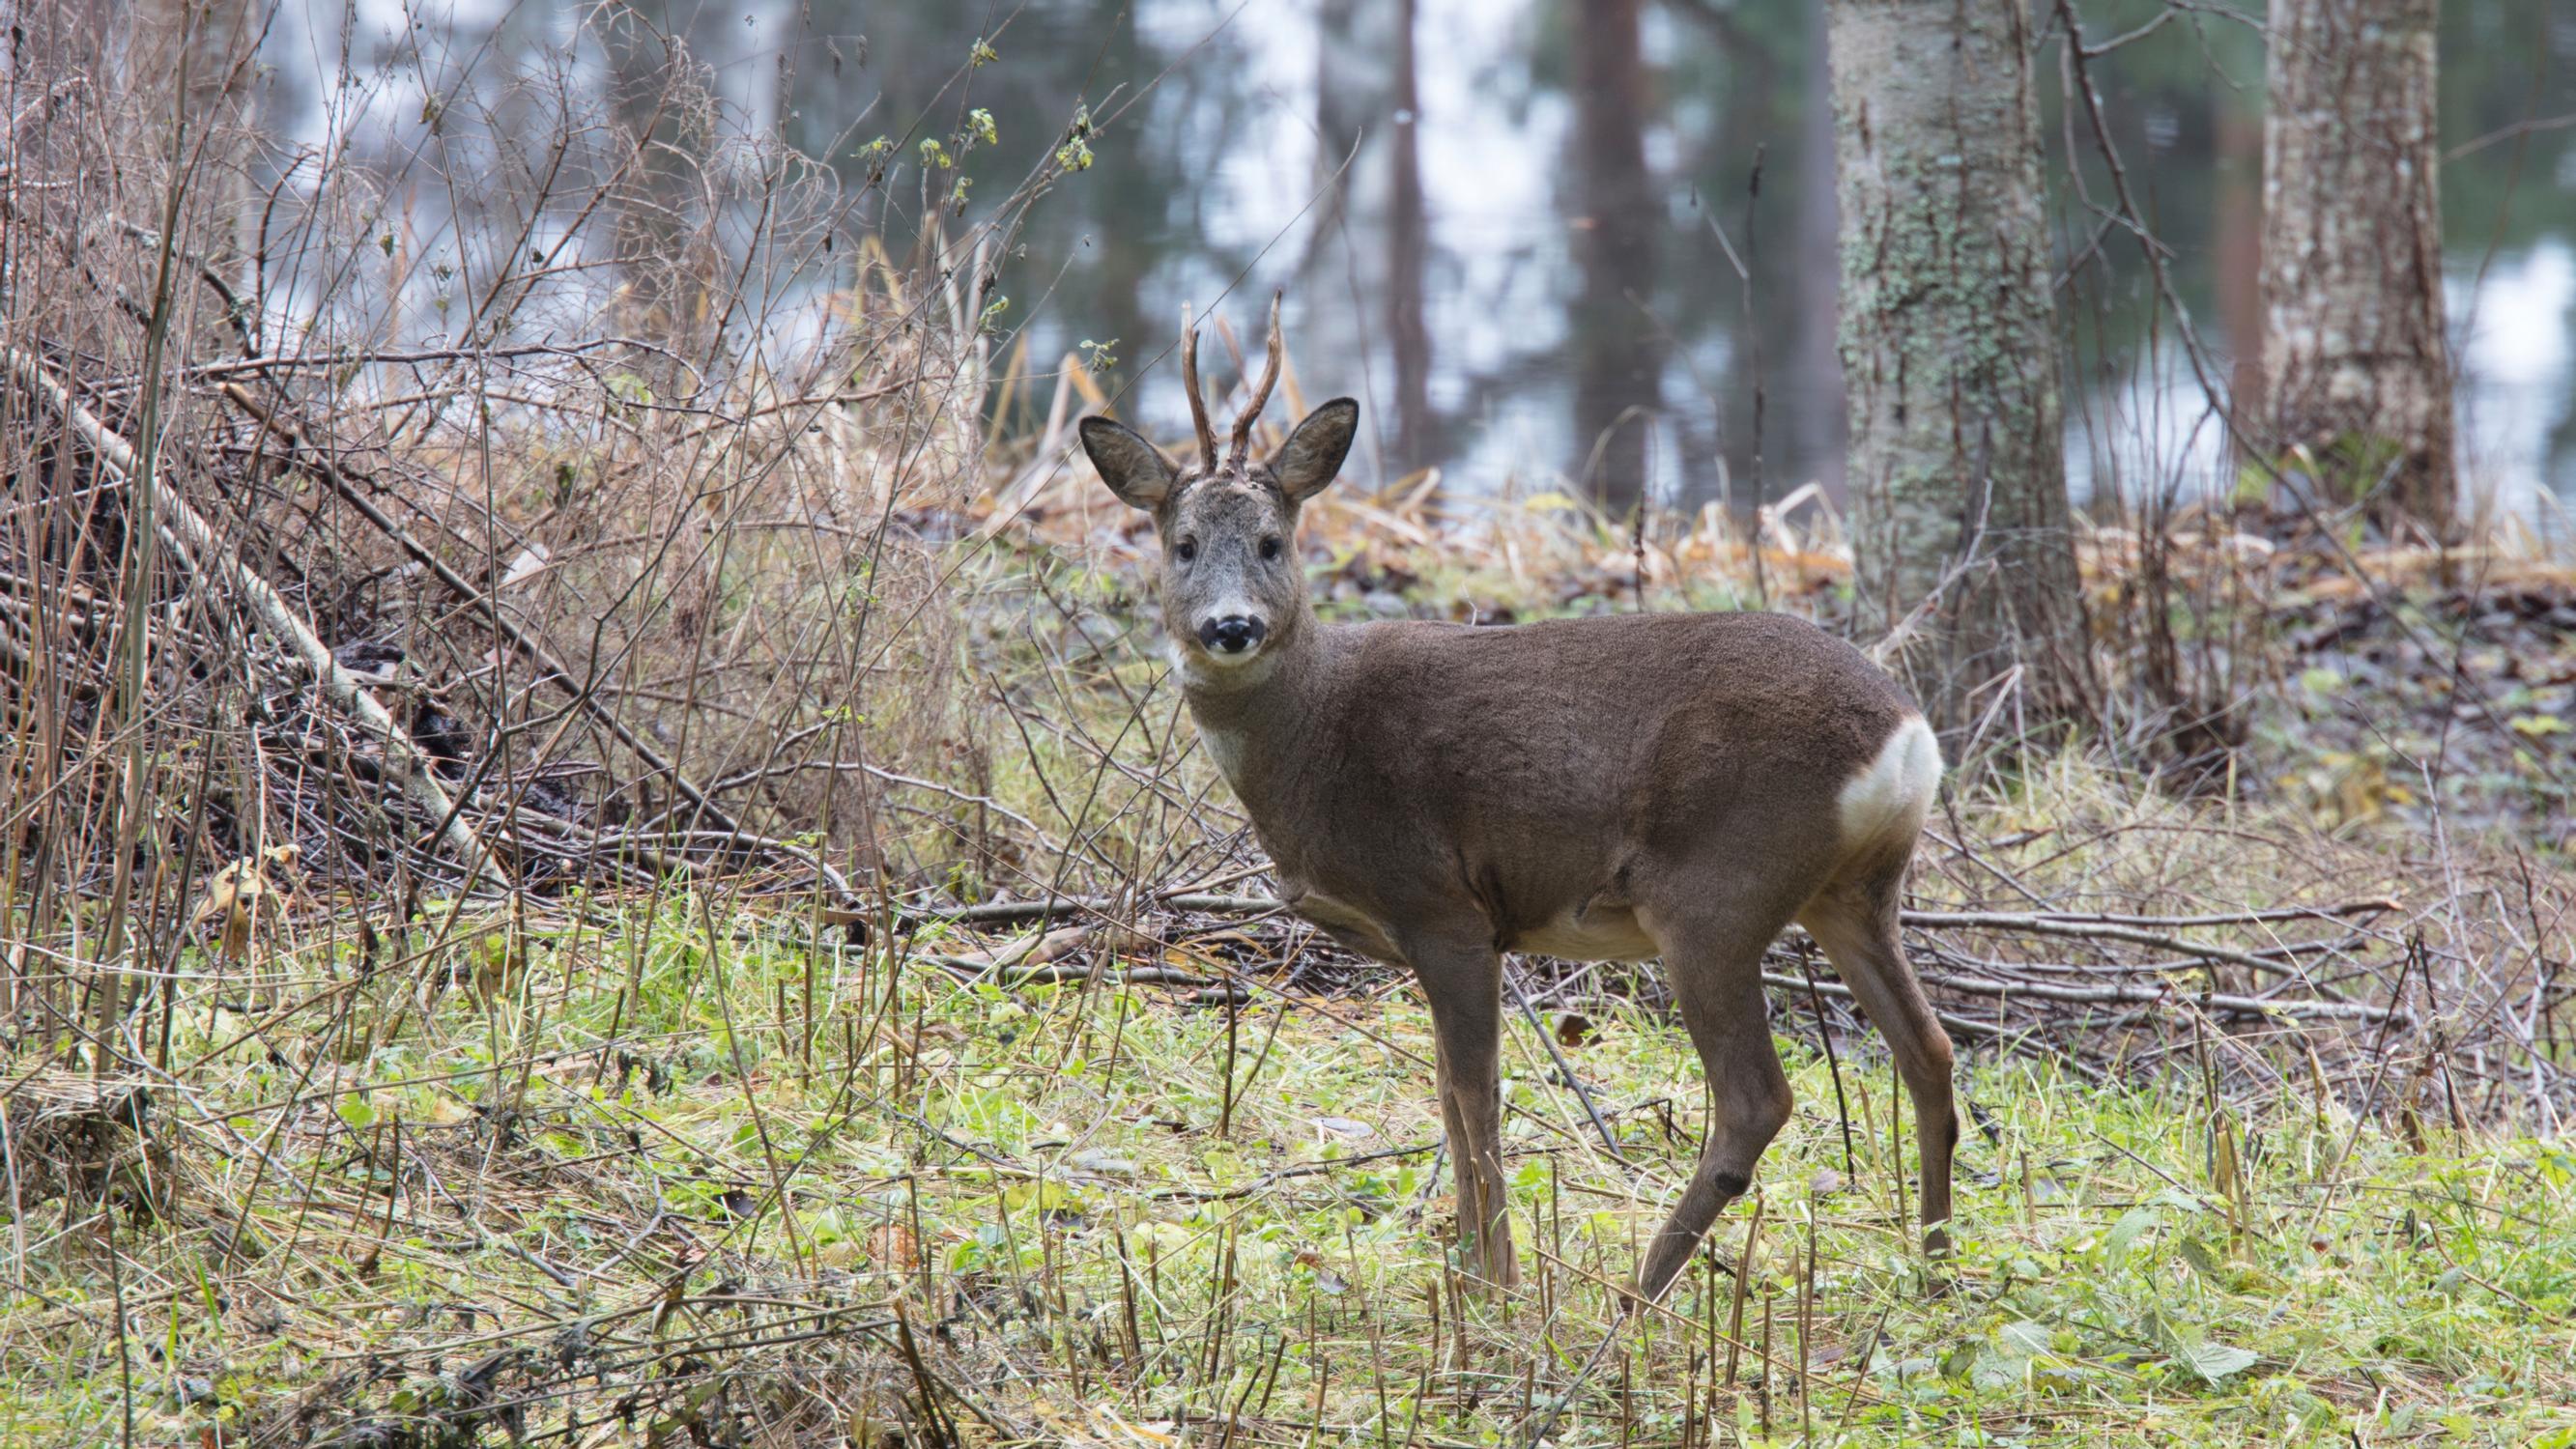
[1260, 392]
[1190, 383]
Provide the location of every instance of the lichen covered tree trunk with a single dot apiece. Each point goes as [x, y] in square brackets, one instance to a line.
[1949, 348]
[2353, 357]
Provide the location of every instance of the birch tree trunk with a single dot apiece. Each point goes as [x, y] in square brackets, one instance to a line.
[1949, 349]
[2353, 358]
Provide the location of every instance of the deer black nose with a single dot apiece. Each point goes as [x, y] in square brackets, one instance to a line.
[1232, 634]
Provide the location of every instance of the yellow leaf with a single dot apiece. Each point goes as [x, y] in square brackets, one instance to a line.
[234, 899]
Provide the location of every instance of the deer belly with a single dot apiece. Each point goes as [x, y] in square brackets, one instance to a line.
[1344, 922]
[1600, 933]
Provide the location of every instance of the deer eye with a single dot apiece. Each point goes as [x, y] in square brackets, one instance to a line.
[1186, 550]
[1270, 547]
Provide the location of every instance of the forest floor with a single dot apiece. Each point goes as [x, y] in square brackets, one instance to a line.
[965, 1212]
[696, 1167]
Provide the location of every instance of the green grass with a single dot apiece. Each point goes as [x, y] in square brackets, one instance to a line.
[735, 1214]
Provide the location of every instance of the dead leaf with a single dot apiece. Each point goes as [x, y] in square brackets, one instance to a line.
[1326, 1280]
[238, 895]
[890, 1245]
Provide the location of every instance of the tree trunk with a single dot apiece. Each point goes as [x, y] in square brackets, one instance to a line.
[1618, 359]
[2236, 246]
[1814, 400]
[2352, 252]
[1408, 246]
[1949, 346]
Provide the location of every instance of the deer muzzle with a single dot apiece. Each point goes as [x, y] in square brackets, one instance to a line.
[1232, 636]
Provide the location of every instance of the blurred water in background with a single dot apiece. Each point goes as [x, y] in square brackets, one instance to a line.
[1512, 226]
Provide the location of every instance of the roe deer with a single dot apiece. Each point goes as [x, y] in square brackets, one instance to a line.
[1609, 788]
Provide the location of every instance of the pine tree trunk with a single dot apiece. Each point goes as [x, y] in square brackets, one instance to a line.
[2354, 358]
[1949, 348]
[1618, 358]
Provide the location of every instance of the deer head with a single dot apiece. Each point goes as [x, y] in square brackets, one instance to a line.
[1233, 590]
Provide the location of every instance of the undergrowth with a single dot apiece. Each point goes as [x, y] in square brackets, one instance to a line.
[609, 1182]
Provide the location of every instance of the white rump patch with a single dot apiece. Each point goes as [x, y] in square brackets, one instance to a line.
[1895, 792]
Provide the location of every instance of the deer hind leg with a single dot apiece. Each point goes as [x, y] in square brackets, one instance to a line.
[1855, 921]
[1462, 980]
[1715, 965]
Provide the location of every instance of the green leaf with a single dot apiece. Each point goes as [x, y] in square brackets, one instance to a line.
[2217, 1361]
[2126, 1231]
[2197, 1254]
[2024, 1338]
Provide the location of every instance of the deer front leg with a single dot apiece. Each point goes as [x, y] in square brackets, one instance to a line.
[1462, 980]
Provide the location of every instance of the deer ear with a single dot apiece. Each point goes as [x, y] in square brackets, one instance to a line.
[1313, 454]
[1134, 469]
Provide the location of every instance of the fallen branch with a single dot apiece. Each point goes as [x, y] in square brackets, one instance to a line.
[2093, 930]
[404, 762]
[1564, 1068]
[963, 797]
[2050, 923]
[1030, 951]
[2104, 927]
[2104, 918]
[1836, 989]
[318, 462]
[2149, 996]
[1065, 973]
[1276, 1176]
[1011, 912]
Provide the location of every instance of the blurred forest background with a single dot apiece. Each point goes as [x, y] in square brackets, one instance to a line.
[1498, 222]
